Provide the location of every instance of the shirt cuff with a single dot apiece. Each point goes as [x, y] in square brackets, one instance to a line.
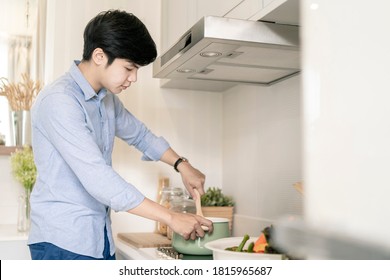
[126, 200]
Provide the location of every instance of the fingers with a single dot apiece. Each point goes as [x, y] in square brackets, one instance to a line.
[199, 185]
[193, 235]
[199, 188]
[193, 179]
[199, 228]
[186, 236]
[204, 225]
[195, 186]
[207, 223]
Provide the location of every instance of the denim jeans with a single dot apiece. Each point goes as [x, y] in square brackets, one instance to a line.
[48, 251]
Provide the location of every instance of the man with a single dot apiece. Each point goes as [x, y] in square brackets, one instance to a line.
[74, 122]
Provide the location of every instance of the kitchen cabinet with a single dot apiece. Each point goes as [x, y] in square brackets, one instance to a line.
[280, 11]
[245, 10]
[13, 244]
[124, 251]
[267, 2]
[179, 15]
[215, 8]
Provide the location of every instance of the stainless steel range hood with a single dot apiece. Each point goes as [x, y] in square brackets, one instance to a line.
[218, 53]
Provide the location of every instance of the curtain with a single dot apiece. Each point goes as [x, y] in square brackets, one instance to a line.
[19, 57]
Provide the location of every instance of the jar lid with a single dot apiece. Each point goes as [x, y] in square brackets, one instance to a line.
[172, 191]
[184, 202]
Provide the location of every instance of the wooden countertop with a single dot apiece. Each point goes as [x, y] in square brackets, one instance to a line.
[144, 239]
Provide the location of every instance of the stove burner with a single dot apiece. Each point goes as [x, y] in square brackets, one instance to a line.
[169, 253]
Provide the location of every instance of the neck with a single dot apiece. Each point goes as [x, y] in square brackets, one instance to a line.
[89, 72]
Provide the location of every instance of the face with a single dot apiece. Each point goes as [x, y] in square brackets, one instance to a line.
[119, 75]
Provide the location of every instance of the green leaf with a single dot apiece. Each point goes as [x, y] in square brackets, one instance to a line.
[215, 197]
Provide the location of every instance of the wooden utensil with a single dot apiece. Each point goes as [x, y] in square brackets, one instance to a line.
[199, 207]
[197, 203]
[299, 187]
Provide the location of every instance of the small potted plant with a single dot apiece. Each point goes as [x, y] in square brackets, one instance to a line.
[25, 172]
[216, 204]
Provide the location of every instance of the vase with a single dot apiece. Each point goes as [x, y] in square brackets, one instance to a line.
[24, 211]
[21, 128]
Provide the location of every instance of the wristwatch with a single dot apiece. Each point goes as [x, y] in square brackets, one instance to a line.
[180, 160]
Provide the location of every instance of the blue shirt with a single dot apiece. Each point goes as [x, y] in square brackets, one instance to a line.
[73, 131]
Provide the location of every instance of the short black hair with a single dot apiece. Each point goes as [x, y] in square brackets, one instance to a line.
[120, 35]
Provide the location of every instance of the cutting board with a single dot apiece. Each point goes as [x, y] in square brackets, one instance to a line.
[145, 239]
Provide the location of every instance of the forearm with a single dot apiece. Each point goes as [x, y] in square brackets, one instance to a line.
[152, 210]
[170, 157]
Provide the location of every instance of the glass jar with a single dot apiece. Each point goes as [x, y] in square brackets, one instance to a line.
[182, 205]
[168, 195]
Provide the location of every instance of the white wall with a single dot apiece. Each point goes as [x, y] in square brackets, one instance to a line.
[65, 25]
[262, 153]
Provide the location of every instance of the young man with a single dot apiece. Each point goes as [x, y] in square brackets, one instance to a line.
[75, 121]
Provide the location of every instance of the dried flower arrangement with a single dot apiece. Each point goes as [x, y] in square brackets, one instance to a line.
[20, 95]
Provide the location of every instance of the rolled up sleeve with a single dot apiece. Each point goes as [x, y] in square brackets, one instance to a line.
[135, 133]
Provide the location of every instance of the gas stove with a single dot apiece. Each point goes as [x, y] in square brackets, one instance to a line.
[169, 253]
[128, 251]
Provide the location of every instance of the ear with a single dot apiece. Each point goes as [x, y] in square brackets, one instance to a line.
[99, 57]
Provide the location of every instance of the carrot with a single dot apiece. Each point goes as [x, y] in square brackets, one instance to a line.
[260, 244]
[261, 239]
[260, 248]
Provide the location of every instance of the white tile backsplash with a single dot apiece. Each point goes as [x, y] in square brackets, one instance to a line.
[250, 225]
[262, 152]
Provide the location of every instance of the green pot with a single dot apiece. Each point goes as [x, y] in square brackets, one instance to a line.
[197, 246]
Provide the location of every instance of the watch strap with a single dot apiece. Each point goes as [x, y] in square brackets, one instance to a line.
[180, 160]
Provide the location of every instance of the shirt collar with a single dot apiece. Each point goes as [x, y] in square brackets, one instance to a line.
[85, 87]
